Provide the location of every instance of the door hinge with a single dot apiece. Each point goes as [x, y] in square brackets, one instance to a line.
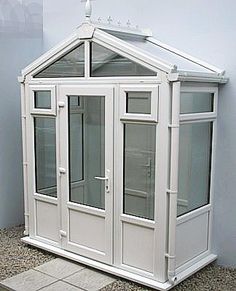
[62, 233]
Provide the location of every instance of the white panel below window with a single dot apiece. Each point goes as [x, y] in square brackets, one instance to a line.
[87, 230]
[138, 247]
[47, 221]
[191, 238]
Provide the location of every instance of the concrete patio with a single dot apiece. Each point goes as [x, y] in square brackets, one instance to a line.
[59, 275]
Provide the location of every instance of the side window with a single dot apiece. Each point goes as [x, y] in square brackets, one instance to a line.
[198, 108]
[196, 102]
[43, 112]
[139, 115]
[45, 155]
[139, 169]
[194, 166]
[42, 100]
[139, 102]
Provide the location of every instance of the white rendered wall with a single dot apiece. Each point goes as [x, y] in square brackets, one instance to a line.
[20, 44]
[204, 29]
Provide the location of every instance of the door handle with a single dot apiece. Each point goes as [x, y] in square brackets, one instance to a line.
[106, 179]
[101, 178]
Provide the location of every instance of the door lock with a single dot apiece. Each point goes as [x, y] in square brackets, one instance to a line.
[106, 179]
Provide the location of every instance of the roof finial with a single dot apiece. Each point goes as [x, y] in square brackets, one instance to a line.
[88, 10]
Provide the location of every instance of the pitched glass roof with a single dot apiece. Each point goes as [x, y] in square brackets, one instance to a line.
[161, 53]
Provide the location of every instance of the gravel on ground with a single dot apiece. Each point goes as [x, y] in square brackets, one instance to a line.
[211, 278]
[17, 257]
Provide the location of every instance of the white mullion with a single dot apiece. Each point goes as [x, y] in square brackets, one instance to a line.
[213, 154]
[87, 59]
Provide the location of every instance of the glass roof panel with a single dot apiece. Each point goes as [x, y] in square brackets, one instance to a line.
[70, 65]
[164, 55]
[107, 63]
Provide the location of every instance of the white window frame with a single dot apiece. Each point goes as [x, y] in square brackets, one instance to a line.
[43, 111]
[200, 115]
[210, 117]
[153, 89]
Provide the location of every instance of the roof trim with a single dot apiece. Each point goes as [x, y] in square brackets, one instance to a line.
[197, 77]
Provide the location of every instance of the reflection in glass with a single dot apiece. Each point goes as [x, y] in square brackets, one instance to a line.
[106, 63]
[138, 102]
[70, 65]
[139, 170]
[196, 102]
[87, 150]
[45, 155]
[42, 99]
[194, 166]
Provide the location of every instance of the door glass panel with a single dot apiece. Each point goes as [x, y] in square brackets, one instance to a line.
[139, 170]
[70, 65]
[87, 150]
[107, 63]
[45, 155]
[194, 166]
[196, 102]
[138, 102]
[42, 99]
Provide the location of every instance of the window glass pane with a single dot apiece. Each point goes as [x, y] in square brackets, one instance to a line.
[138, 102]
[139, 170]
[42, 99]
[87, 150]
[70, 65]
[196, 102]
[45, 156]
[106, 63]
[194, 166]
[76, 140]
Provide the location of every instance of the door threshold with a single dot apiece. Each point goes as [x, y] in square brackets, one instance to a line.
[119, 272]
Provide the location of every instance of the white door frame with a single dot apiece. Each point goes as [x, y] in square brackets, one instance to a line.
[67, 206]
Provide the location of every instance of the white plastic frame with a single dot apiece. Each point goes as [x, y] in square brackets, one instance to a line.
[200, 115]
[43, 111]
[153, 89]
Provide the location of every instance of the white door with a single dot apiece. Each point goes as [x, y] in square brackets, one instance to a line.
[86, 170]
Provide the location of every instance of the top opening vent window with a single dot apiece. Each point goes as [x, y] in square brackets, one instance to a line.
[196, 102]
[107, 63]
[70, 65]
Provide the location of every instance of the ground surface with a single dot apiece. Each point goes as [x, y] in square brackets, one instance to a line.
[16, 257]
[211, 278]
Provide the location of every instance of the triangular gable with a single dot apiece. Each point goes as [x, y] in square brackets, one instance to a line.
[70, 65]
[74, 41]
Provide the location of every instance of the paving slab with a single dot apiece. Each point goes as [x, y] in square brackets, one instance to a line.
[31, 280]
[90, 280]
[59, 268]
[61, 286]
